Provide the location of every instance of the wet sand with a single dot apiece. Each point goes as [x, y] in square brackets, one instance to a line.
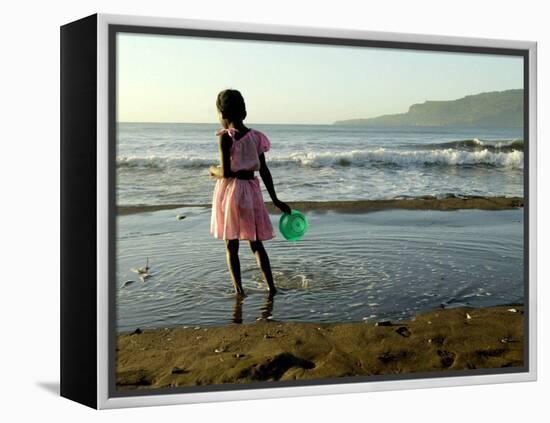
[440, 340]
[363, 206]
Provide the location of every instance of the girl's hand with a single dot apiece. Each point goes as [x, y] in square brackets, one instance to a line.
[213, 171]
[284, 207]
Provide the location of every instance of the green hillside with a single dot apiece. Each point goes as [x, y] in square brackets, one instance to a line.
[493, 109]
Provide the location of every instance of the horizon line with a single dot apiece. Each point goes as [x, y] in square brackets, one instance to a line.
[212, 123]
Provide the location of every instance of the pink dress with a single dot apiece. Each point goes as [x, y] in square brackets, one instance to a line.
[238, 209]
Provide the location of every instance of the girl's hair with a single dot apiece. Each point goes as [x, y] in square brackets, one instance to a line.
[230, 104]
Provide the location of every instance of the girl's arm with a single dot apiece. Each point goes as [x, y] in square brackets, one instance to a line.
[268, 182]
[223, 171]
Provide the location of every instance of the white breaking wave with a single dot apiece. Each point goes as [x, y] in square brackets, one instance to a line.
[476, 144]
[380, 156]
[447, 157]
[162, 162]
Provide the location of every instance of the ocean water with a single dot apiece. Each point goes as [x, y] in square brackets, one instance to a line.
[168, 163]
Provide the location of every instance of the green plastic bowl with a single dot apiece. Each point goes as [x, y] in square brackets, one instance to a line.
[293, 226]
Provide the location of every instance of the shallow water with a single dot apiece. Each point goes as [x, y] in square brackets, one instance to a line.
[349, 267]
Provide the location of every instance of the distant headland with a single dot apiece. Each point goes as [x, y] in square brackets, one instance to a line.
[491, 109]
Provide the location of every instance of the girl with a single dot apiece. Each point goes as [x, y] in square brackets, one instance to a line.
[238, 209]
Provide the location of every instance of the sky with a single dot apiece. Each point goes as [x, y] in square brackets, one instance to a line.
[165, 78]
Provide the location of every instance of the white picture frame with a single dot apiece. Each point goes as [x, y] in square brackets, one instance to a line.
[103, 342]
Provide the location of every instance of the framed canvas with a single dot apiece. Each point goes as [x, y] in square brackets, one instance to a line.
[258, 211]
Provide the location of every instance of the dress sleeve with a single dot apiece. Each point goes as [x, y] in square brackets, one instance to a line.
[263, 143]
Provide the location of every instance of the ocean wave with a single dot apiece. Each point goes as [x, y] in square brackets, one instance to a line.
[381, 156]
[356, 158]
[163, 162]
[476, 144]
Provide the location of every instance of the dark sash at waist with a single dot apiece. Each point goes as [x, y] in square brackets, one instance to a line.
[244, 174]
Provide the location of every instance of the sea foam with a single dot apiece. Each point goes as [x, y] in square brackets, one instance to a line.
[373, 157]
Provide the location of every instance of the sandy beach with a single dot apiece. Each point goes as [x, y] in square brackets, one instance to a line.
[363, 206]
[440, 340]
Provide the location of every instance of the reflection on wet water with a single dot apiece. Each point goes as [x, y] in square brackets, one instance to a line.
[266, 312]
[349, 267]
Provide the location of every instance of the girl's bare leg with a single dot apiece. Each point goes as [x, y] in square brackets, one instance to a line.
[262, 259]
[234, 265]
